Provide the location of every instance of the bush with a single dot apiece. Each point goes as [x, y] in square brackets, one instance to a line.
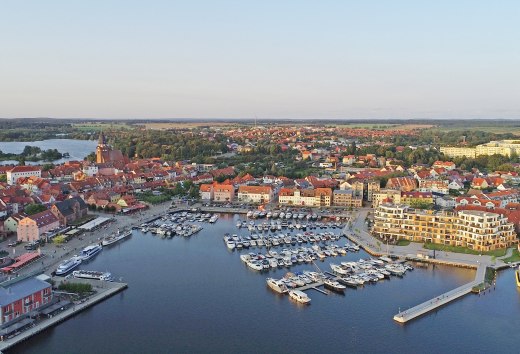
[77, 288]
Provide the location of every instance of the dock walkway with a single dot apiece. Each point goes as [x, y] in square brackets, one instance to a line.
[430, 305]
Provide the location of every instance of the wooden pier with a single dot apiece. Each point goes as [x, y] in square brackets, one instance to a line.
[430, 305]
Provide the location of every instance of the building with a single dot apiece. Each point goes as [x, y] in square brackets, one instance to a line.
[346, 198]
[417, 198]
[105, 153]
[322, 197]
[455, 151]
[22, 172]
[11, 223]
[206, 192]
[255, 194]
[383, 195]
[70, 210]
[32, 227]
[295, 196]
[372, 187]
[500, 147]
[434, 186]
[477, 230]
[404, 184]
[20, 298]
[223, 192]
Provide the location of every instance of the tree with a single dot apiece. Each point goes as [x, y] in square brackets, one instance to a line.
[3, 178]
[32, 209]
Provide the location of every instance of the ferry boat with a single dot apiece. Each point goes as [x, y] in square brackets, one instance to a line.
[108, 240]
[68, 265]
[299, 296]
[90, 251]
[91, 274]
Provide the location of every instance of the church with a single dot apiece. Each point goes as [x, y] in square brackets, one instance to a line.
[105, 153]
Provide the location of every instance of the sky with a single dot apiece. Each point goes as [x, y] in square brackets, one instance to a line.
[271, 59]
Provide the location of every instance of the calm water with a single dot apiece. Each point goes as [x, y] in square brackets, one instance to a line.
[78, 149]
[194, 296]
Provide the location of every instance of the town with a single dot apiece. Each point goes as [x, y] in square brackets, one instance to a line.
[402, 191]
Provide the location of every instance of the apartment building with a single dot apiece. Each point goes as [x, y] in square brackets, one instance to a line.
[477, 230]
[346, 198]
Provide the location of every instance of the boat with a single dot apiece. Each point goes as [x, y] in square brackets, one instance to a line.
[91, 274]
[66, 266]
[333, 285]
[517, 275]
[277, 285]
[299, 296]
[338, 269]
[255, 265]
[90, 251]
[108, 240]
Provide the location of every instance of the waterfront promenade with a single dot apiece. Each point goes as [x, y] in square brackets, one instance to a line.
[103, 291]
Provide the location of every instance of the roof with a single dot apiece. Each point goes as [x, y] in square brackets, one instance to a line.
[44, 218]
[66, 207]
[21, 289]
[25, 169]
[255, 189]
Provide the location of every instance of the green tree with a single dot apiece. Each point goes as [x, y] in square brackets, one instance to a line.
[32, 209]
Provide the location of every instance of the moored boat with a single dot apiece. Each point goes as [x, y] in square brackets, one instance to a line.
[67, 266]
[91, 274]
[299, 296]
[277, 285]
[90, 251]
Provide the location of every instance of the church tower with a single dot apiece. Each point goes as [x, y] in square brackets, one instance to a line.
[102, 149]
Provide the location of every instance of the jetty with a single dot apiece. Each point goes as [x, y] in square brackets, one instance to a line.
[443, 299]
[104, 291]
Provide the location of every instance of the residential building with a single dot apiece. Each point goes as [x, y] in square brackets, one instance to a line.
[223, 192]
[386, 195]
[372, 187]
[456, 151]
[477, 230]
[404, 184]
[434, 186]
[346, 198]
[22, 171]
[322, 197]
[206, 192]
[417, 198]
[33, 227]
[255, 194]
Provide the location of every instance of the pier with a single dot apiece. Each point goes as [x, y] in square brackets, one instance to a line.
[106, 290]
[430, 305]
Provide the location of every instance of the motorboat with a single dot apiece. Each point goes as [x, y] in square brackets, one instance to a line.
[299, 296]
[277, 285]
[338, 269]
[333, 285]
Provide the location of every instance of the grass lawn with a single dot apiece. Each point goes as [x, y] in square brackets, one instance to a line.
[459, 249]
[515, 257]
[403, 242]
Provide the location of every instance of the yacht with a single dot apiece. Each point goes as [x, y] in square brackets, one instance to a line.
[338, 269]
[230, 244]
[90, 274]
[277, 285]
[333, 285]
[90, 251]
[68, 265]
[299, 296]
[255, 265]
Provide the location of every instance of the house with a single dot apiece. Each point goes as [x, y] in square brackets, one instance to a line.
[434, 186]
[223, 192]
[448, 165]
[33, 227]
[479, 183]
[70, 210]
[404, 184]
[456, 185]
[11, 223]
[322, 197]
[22, 171]
[206, 192]
[22, 297]
[255, 194]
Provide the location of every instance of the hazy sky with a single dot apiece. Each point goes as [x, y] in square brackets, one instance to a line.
[287, 59]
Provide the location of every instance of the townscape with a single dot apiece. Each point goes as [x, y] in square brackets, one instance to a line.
[349, 188]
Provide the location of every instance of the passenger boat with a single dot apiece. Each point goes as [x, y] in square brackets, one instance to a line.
[90, 251]
[299, 296]
[277, 285]
[114, 238]
[68, 265]
[91, 274]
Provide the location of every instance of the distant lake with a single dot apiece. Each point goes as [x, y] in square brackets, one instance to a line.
[78, 149]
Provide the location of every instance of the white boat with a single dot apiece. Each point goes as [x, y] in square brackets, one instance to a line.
[333, 285]
[277, 285]
[91, 274]
[299, 296]
[336, 268]
[90, 251]
[114, 238]
[255, 265]
[68, 265]
[230, 244]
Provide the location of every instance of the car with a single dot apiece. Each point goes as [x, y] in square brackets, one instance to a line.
[14, 244]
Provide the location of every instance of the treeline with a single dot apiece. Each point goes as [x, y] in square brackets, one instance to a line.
[32, 153]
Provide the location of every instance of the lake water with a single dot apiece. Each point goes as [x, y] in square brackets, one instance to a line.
[192, 295]
[78, 149]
